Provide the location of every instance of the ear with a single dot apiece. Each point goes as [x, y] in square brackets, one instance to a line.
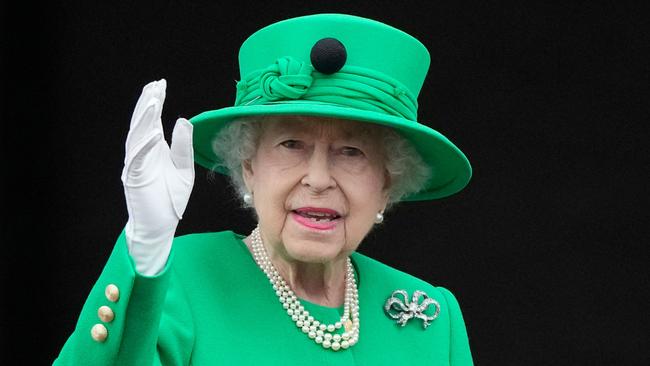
[248, 174]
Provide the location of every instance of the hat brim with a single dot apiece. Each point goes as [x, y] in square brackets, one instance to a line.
[451, 169]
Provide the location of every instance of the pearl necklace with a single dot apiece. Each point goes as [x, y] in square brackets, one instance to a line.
[324, 334]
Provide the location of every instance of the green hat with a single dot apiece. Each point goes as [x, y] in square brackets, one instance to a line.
[341, 66]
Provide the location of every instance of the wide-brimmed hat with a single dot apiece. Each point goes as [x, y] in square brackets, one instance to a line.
[342, 66]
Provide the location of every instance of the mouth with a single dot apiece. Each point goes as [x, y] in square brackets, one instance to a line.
[316, 218]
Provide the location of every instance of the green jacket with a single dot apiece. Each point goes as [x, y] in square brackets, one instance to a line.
[212, 305]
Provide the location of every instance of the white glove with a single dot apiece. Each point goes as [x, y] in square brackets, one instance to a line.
[157, 180]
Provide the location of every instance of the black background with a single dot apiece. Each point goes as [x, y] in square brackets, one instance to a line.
[545, 249]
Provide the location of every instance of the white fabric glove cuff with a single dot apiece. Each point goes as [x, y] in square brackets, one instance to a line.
[149, 251]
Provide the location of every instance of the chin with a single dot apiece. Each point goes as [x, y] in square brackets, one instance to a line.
[312, 246]
[308, 251]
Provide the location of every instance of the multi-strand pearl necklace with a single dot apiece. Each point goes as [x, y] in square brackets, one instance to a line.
[327, 335]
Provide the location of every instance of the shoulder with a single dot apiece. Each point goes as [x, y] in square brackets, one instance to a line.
[381, 285]
[207, 238]
[386, 279]
[373, 270]
[207, 246]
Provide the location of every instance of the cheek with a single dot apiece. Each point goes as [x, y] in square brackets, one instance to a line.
[366, 191]
[366, 199]
[272, 192]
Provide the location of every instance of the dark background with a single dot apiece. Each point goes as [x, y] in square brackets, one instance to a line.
[545, 249]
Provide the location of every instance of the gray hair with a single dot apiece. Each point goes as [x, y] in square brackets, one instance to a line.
[238, 140]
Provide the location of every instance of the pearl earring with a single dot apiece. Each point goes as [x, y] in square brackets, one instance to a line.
[248, 198]
[379, 218]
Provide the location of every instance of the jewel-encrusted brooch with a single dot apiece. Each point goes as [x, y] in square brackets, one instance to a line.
[404, 310]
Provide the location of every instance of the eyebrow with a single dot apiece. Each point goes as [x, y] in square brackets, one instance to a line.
[300, 124]
[290, 125]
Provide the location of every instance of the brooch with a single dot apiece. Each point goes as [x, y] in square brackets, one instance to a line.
[405, 310]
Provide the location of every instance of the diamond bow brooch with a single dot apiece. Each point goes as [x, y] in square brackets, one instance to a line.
[402, 310]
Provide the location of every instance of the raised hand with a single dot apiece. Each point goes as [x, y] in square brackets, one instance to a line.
[157, 180]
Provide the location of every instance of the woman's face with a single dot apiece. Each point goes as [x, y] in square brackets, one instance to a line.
[307, 167]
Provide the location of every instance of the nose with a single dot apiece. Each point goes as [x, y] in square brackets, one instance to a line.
[318, 176]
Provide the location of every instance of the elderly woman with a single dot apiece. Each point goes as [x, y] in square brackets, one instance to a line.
[322, 139]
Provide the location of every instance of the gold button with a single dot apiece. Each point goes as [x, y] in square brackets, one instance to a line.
[112, 293]
[105, 314]
[99, 333]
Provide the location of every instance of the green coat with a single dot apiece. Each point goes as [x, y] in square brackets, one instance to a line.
[212, 305]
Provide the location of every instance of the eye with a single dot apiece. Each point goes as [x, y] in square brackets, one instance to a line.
[292, 144]
[351, 151]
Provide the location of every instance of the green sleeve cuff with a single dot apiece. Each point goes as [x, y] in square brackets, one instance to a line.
[136, 302]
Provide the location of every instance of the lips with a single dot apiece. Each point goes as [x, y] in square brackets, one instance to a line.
[316, 218]
[318, 214]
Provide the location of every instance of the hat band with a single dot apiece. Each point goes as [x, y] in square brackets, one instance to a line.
[351, 86]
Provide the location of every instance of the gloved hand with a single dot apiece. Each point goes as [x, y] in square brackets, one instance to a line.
[157, 180]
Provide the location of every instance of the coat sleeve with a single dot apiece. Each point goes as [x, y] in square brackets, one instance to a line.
[459, 352]
[151, 322]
